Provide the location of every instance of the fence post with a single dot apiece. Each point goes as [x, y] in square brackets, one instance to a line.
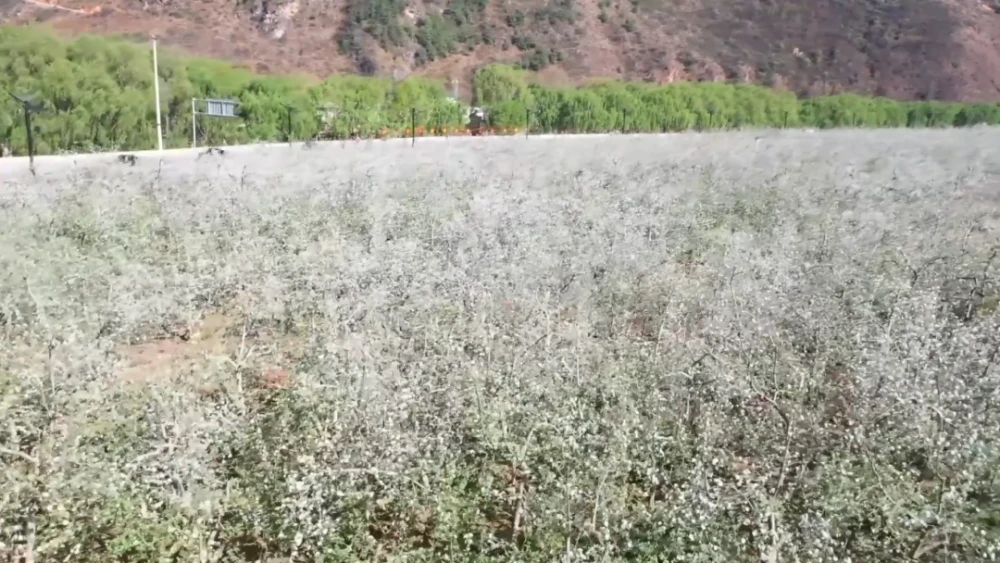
[288, 123]
[413, 127]
[31, 139]
[527, 121]
[29, 106]
[194, 125]
[623, 122]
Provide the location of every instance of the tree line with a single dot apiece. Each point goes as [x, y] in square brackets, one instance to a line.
[96, 94]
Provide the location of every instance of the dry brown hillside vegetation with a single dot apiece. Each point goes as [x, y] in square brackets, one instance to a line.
[913, 49]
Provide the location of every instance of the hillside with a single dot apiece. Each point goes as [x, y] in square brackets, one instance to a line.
[909, 49]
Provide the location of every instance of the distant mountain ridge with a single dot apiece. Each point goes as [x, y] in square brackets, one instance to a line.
[906, 49]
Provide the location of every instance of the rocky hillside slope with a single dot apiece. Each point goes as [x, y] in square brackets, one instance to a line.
[909, 49]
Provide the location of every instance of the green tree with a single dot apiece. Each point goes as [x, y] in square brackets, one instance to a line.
[976, 114]
[436, 37]
[353, 104]
[509, 113]
[546, 108]
[584, 111]
[278, 108]
[621, 104]
[497, 83]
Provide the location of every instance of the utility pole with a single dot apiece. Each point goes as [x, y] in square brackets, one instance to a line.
[156, 90]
